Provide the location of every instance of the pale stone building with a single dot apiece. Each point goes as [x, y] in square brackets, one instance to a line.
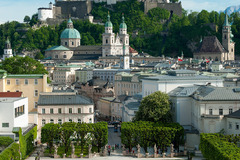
[65, 74]
[212, 49]
[83, 75]
[206, 109]
[60, 107]
[129, 84]
[176, 78]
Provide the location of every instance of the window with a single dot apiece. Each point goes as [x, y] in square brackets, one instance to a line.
[70, 110]
[5, 125]
[230, 125]
[36, 93]
[35, 105]
[237, 126]
[17, 82]
[90, 110]
[8, 82]
[79, 121]
[210, 112]
[72, 43]
[106, 40]
[220, 111]
[51, 121]
[230, 110]
[19, 111]
[59, 121]
[59, 110]
[90, 120]
[51, 110]
[26, 81]
[79, 110]
[36, 81]
[56, 56]
[70, 120]
[43, 111]
[65, 43]
[43, 122]
[64, 56]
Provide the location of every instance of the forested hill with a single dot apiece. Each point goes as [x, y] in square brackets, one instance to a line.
[158, 32]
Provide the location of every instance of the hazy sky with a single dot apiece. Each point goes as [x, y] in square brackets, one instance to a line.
[17, 9]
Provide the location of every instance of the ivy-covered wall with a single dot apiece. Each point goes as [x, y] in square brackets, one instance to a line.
[217, 146]
[26, 141]
[11, 152]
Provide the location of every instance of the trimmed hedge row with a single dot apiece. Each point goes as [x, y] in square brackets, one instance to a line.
[216, 146]
[11, 152]
[148, 134]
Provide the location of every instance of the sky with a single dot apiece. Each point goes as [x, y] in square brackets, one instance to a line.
[17, 9]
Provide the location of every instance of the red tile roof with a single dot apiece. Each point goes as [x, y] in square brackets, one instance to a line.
[10, 94]
[131, 50]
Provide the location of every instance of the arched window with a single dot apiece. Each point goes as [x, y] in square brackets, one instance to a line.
[216, 59]
[225, 36]
[106, 41]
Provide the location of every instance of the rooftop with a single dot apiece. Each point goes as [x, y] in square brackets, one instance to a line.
[10, 94]
[181, 78]
[25, 76]
[63, 99]
[10, 99]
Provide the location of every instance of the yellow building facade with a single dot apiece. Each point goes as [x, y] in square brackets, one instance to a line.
[31, 85]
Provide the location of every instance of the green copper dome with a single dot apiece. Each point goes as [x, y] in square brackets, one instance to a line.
[108, 23]
[123, 24]
[70, 32]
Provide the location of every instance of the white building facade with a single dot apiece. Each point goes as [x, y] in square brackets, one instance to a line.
[113, 45]
[45, 13]
[60, 107]
[174, 79]
[13, 113]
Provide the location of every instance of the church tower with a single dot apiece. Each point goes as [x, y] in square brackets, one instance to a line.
[108, 38]
[227, 41]
[124, 37]
[7, 50]
[125, 60]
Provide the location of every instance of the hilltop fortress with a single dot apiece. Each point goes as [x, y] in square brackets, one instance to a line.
[62, 9]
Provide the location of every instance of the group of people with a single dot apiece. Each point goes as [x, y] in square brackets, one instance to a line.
[113, 147]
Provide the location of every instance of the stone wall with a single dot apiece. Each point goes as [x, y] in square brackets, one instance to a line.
[77, 9]
[176, 8]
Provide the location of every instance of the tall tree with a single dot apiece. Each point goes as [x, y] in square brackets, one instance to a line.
[23, 65]
[154, 107]
[26, 19]
[49, 133]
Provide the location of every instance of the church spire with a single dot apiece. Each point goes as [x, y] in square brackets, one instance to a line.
[69, 23]
[226, 23]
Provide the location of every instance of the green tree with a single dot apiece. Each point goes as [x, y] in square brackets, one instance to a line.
[49, 133]
[155, 108]
[39, 55]
[23, 65]
[100, 134]
[26, 19]
[66, 132]
[83, 134]
[5, 141]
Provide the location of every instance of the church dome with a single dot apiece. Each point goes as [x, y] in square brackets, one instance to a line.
[70, 32]
[123, 24]
[108, 23]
